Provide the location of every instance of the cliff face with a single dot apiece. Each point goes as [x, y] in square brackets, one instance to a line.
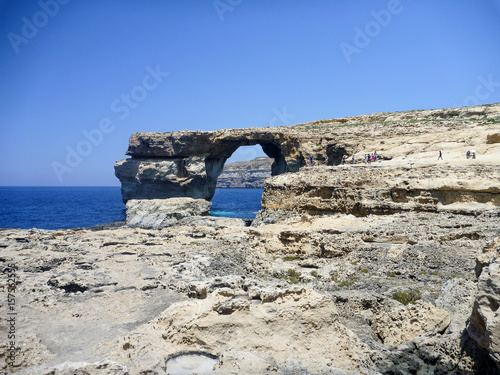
[408, 175]
[364, 190]
[245, 174]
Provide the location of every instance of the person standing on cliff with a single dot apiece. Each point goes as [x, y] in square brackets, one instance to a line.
[440, 155]
[311, 160]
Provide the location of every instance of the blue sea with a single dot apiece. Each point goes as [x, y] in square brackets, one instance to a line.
[73, 207]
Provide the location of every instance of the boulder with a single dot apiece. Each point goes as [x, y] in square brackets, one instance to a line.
[162, 213]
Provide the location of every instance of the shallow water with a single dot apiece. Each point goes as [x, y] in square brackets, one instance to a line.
[240, 203]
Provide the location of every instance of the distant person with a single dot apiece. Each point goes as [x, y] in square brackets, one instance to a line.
[468, 154]
[311, 160]
[326, 160]
[440, 155]
[352, 160]
[375, 156]
[366, 159]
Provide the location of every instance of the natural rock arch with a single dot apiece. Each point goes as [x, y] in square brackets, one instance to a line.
[188, 163]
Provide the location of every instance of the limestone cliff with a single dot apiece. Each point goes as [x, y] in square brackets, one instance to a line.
[379, 189]
[484, 323]
[245, 174]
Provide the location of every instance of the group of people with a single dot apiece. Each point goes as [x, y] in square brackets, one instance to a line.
[471, 154]
[369, 158]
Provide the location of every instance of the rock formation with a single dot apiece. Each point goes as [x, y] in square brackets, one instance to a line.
[188, 163]
[311, 294]
[162, 213]
[379, 189]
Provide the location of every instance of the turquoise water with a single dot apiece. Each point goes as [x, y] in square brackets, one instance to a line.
[240, 203]
[71, 207]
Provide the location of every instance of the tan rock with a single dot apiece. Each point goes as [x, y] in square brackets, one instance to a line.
[162, 213]
[297, 323]
[411, 321]
[385, 190]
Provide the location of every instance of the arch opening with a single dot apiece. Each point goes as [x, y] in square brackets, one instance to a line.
[239, 187]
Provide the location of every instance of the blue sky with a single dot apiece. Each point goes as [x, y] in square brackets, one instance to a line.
[78, 77]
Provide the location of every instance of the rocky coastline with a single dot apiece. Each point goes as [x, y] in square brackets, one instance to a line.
[379, 268]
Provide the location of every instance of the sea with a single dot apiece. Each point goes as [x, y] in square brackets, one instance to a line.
[46, 207]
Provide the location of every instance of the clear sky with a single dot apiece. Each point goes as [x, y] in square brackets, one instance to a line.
[78, 77]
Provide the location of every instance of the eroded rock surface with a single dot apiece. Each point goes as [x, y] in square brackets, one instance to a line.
[363, 190]
[311, 294]
[161, 213]
[484, 325]
[188, 163]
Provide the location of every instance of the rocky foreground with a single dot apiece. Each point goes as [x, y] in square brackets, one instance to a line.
[330, 294]
[383, 268]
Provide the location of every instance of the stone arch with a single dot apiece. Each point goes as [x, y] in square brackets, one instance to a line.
[188, 163]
